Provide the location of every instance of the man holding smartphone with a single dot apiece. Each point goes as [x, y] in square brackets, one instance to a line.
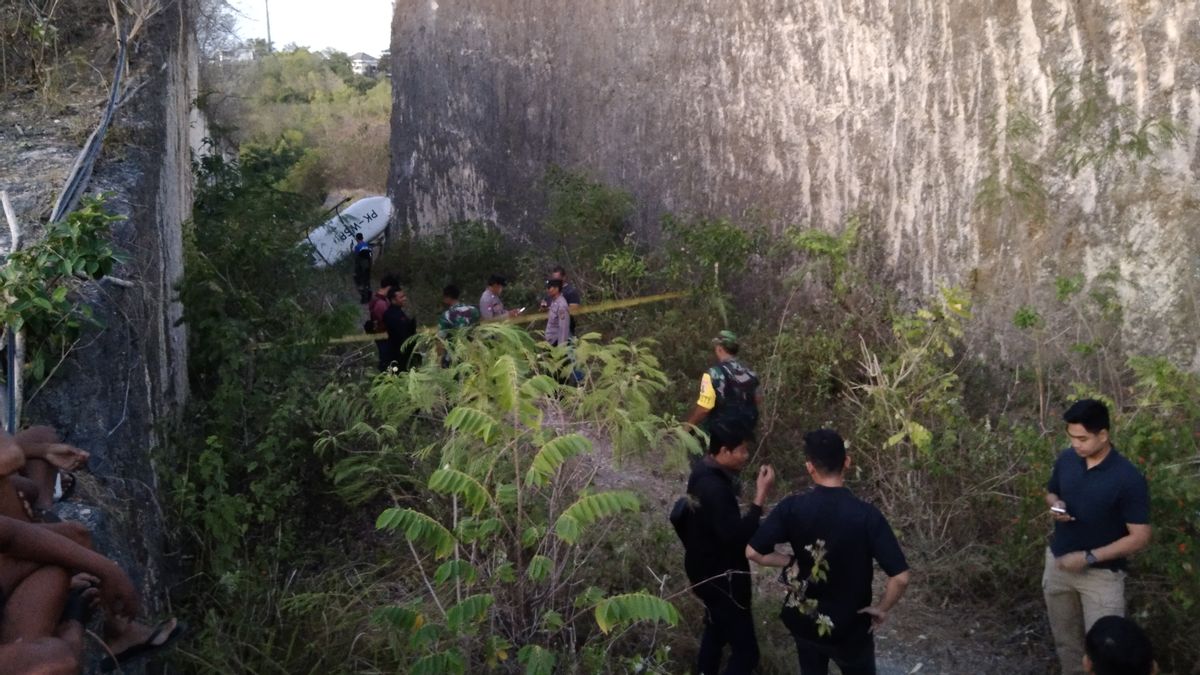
[1101, 507]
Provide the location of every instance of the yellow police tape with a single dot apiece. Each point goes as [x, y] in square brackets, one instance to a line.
[530, 318]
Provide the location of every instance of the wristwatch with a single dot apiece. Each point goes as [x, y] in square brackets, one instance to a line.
[1090, 558]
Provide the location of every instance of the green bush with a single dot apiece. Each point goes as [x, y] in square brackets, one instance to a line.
[256, 320]
[503, 533]
[585, 217]
[37, 281]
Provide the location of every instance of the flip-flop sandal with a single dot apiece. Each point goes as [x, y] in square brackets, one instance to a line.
[66, 485]
[146, 648]
[78, 607]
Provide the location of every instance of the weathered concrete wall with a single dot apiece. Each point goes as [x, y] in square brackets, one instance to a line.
[796, 112]
[117, 390]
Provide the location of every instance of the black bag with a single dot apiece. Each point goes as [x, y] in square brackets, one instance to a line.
[737, 404]
[681, 513]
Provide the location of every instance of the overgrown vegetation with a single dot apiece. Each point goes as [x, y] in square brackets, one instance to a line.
[444, 460]
[47, 45]
[460, 504]
[257, 315]
[37, 281]
[513, 512]
[311, 101]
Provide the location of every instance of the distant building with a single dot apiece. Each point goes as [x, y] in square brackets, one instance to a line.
[242, 52]
[363, 64]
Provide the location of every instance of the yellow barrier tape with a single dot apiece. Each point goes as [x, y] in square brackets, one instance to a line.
[530, 318]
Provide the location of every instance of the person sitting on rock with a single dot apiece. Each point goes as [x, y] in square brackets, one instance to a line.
[37, 561]
[45, 608]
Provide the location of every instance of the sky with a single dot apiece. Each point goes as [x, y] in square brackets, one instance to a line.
[346, 25]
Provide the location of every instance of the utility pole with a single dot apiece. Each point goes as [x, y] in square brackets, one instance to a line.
[267, 4]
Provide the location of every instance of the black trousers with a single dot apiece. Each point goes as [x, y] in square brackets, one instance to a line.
[855, 657]
[385, 354]
[727, 621]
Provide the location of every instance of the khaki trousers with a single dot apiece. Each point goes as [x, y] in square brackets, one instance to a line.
[1074, 601]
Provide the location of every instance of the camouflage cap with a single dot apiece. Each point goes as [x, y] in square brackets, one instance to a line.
[726, 339]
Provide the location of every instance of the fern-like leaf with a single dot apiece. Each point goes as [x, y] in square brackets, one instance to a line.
[633, 607]
[472, 421]
[506, 379]
[418, 528]
[539, 567]
[471, 610]
[589, 509]
[554, 454]
[539, 385]
[460, 570]
[449, 481]
[537, 660]
[449, 662]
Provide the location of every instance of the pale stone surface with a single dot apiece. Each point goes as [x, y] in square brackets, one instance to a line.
[790, 112]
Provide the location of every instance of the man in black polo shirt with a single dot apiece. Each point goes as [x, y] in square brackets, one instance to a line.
[855, 536]
[400, 327]
[715, 535]
[1101, 507]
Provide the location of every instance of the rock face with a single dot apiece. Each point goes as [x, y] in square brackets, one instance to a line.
[123, 381]
[994, 145]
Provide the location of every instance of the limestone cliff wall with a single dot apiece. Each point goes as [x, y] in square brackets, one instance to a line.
[975, 137]
[118, 389]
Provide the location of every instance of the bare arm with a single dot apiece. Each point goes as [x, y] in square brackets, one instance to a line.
[698, 415]
[772, 559]
[35, 544]
[891, 595]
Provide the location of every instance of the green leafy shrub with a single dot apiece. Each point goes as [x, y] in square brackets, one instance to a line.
[585, 217]
[254, 310]
[503, 544]
[1161, 435]
[340, 117]
[36, 283]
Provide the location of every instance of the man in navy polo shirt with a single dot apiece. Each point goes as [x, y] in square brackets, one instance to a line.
[855, 536]
[1101, 507]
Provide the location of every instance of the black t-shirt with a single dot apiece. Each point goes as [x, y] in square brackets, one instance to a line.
[716, 532]
[856, 535]
[1101, 499]
[400, 326]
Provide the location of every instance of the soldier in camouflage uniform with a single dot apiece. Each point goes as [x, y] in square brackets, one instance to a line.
[729, 390]
[458, 314]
